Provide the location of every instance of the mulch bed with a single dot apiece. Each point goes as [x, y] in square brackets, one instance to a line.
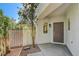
[15, 51]
[25, 51]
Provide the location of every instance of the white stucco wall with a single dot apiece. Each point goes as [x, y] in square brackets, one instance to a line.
[73, 34]
[48, 38]
[40, 36]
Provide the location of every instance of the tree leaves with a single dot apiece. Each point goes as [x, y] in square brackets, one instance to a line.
[28, 12]
[1, 12]
[4, 24]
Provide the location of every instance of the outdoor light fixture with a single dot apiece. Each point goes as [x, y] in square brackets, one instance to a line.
[49, 25]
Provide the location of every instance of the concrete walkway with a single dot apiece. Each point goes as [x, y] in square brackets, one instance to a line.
[52, 50]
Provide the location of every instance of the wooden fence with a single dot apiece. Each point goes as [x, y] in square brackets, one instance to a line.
[16, 38]
[20, 38]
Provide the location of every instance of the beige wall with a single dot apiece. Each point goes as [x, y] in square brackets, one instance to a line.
[73, 34]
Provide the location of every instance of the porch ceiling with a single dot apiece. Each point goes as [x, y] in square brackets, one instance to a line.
[50, 8]
[61, 10]
[55, 9]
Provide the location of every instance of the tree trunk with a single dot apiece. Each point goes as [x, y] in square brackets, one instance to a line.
[33, 35]
[3, 47]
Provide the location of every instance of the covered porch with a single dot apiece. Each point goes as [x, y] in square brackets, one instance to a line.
[56, 32]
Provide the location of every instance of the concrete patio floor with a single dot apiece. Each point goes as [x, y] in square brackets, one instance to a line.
[52, 50]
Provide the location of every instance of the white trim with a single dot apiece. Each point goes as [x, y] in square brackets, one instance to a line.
[58, 43]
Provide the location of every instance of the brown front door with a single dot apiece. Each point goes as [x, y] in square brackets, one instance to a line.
[58, 32]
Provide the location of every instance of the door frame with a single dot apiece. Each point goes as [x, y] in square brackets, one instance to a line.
[63, 35]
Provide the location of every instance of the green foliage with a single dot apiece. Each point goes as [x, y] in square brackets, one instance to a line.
[28, 13]
[4, 24]
[1, 12]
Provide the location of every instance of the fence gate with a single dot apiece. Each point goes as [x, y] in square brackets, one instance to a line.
[16, 38]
